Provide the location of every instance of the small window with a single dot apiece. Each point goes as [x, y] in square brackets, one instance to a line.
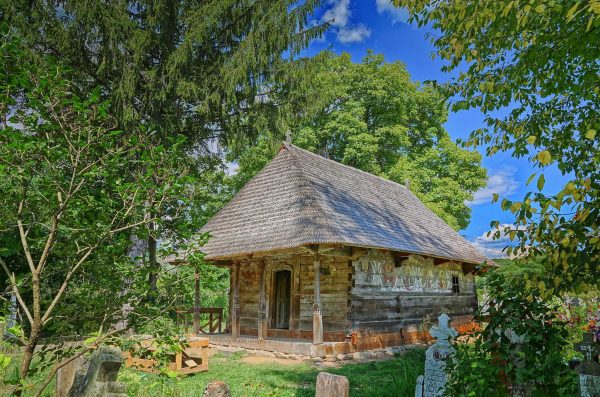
[455, 285]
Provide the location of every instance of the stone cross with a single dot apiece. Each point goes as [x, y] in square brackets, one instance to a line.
[329, 385]
[434, 381]
[589, 370]
[588, 347]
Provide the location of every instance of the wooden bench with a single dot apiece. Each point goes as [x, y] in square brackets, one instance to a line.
[193, 358]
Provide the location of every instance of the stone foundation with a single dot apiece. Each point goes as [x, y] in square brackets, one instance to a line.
[335, 345]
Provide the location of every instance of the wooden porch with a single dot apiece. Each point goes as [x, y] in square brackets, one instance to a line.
[292, 346]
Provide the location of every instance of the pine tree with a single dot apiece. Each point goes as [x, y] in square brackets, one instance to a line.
[203, 70]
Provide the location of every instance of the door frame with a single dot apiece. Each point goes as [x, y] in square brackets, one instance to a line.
[273, 298]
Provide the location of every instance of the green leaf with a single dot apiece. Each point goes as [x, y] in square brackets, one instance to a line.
[571, 12]
[544, 157]
[591, 134]
[540, 182]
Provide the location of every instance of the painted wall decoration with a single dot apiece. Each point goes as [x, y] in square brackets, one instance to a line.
[416, 274]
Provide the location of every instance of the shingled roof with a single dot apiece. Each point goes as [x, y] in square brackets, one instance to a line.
[301, 198]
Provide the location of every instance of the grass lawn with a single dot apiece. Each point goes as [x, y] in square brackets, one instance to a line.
[389, 378]
[395, 377]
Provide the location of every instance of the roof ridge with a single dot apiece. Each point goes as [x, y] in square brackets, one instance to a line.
[294, 147]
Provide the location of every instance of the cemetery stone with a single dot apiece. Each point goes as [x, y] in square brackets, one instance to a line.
[434, 381]
[216, 388]
[66, 375]
[100, 377]
[589, 370]
[329, 385]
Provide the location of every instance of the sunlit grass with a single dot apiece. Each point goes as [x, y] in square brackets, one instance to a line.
[395, 377]
[389, 378]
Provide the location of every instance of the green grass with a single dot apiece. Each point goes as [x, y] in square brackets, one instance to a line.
[390, 378]
[395, 377]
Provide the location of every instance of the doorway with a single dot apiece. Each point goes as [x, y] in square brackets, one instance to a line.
[282, 290]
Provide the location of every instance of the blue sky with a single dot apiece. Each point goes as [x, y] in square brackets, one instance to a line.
[359, 25]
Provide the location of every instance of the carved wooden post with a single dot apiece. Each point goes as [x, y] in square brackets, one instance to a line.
[235, 309]
[197, 302]
[262, 303]
[317, 316]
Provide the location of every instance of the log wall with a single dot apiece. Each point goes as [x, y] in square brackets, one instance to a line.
[391, 296]
[334, 295]
[372, 294]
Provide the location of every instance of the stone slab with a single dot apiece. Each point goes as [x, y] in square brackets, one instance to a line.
[329, 385]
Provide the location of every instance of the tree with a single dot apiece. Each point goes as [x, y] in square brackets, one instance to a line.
[69, 192]
[205, 70]
[373, 117]
[539, 61]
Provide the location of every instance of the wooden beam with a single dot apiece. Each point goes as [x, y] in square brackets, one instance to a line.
[196, 302]
[262, 303]
[317, 315]
[235, 307]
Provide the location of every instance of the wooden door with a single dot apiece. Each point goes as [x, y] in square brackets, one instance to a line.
[283, 280]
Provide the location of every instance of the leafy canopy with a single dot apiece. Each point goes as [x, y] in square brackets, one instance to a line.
[73, 187]
[197, 68]
[372, 116]
[539, 60]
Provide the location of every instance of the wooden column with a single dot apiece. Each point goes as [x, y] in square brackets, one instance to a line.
[262, 303]
[295, 306]
[196, 302]
[235, 307]
[317, 316]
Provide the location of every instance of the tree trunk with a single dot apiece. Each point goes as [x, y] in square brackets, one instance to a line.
[32, 342]
[152, 262]
[36, 325]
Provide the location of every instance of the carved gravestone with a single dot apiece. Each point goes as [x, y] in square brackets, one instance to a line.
[329, 385]
[589, 370]
[216, 388]
[100, 377]
[434, 381]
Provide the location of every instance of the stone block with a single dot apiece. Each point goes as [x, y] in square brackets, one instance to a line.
[66, 375]
[216, 388]
[99, 379]
[329, 385]
[317, 350]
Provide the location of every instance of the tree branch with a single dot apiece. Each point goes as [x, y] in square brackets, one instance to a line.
[13, 283]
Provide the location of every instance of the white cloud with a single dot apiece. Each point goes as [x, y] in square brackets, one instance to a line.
[353, 34]
[492, 248]
[397, 14]
[502, 182]
[339, 12]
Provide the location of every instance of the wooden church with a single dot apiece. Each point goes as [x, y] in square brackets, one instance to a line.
[327, 259]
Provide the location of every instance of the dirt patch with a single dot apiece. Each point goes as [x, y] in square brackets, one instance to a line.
[262, 360]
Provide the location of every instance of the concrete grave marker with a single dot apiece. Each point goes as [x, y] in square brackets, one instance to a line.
[589, 370]
[434, 381]
[329, 385]
[66, 375]
[100, 378]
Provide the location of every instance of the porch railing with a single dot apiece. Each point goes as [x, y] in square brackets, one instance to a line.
[211, 322]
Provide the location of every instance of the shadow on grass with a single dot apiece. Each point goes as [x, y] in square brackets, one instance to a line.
[390, 378]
